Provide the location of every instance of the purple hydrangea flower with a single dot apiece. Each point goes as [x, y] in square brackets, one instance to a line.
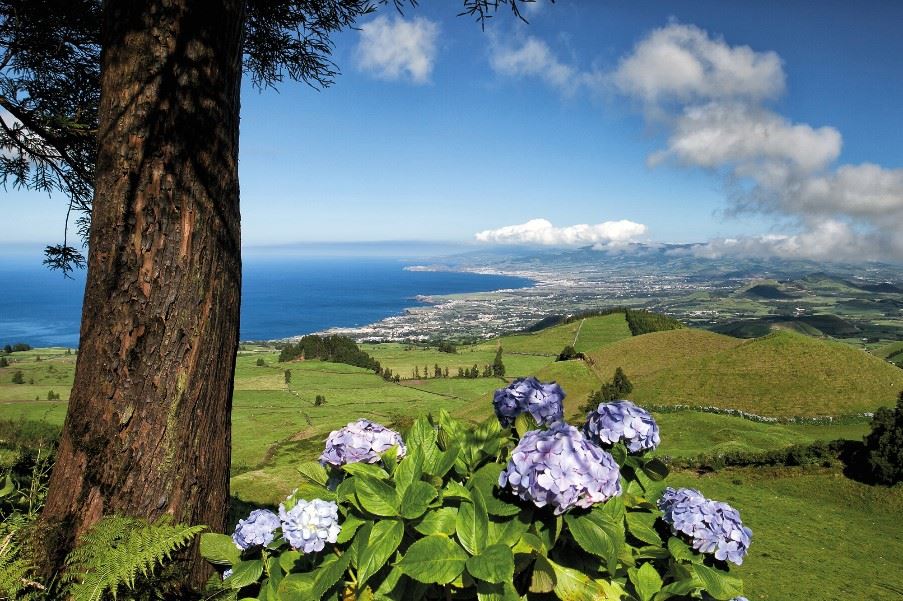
[712, 526]
[542, 401]
[559, 467]
[739, 599]
[309, 525]
[257, 530]
[360, 441]
[622, 421]
[227, 573]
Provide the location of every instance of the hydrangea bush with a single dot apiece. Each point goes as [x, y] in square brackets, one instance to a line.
[523, 506]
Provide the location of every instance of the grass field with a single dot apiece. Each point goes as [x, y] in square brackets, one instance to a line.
[818, 535]
[782, 374]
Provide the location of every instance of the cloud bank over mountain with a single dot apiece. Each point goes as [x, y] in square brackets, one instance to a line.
[541, 232]
[714, 102]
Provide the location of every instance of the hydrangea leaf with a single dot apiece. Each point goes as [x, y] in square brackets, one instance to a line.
[639, 523]
[681, 551]
[542, 580]
[523, 423]
[496, 592]
[366, 469]
[349, 526]
[646, 581]
[244, 573]
[494, 564]
[593, 537]
[508, 531]
[438, 521]
[718, 584]
[314, 472]
[296, 587]
[376, 496]
[409, 470]
[678, 588]
[287, 560]
[383, 542]
[574, 585]
[219, 549]
[656, 469]
[416, 500]
[486, 479]
[445, 461]
[329, 574]
[472, 524]
[455, 490]
[529, 544]
[433, 559]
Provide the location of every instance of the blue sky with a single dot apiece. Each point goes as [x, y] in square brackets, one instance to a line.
[787, 141]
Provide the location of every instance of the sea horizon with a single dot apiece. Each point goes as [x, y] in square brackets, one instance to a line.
[281, 297]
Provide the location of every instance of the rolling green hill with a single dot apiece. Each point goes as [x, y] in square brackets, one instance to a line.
[782, 374]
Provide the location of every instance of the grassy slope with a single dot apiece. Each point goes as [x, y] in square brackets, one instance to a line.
[584, 334]
[817, 536]
[783, 374]
[892, 350]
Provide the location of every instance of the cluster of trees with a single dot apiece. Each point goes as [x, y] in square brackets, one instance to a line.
[9, 349]
[447, 347]
[884, 444]
[334, 348]
[618, 388]
[644, 322]
[4, 362]
[495, 370]
[319, 400]
[568, 353]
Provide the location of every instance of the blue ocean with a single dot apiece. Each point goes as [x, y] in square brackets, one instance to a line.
[280, 298]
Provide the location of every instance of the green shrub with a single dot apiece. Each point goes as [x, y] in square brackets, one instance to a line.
[884, 444]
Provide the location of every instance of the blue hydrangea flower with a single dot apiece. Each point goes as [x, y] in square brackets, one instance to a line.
[561, 468]
[257, 530]
[309, 525]
[360, 441]
[739, 599]
[712, 526]
[622, 421]
[542, 401]
[227, 573]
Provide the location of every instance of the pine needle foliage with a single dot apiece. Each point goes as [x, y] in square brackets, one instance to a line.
[119, 552]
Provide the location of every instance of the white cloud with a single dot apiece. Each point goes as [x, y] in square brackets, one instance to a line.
[534, 58]
[541, 232]
[683, 63]
[714, 135]
[397, 48]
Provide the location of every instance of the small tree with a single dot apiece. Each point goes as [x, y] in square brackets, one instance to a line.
[4, 362]
[568, 353]
[261, 362]
[18, 377]
[288, 377]
[498, 368]
[319, 400]
[619, 387]
[885, 444]
[437, 371]
[8, 349]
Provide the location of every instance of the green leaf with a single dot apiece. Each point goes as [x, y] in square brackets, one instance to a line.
[329, 574]
[383, 541]
[433, 559]
[314, 472]
[244, 573]
[524, 423]
[445, 461]
[574, 585]
[296, 587]
[389, 589]
[508, 531]
[9, 486]
[494, 564]
[529, 544]
[454, 490]
[678, 588]
[646, 581]
[681, 551]
[496, 592]
[592, 536]
[408, 471]
[438, 521]
[219, 549]
[542, 580]
[639, 523]
[718, 584]
[376, 497]
[655, 469]
[349, 526]
[486, 479]
[416, 500]
[366, 469]
[287, 560]
[472, 524]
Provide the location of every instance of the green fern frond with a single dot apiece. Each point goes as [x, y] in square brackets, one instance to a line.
[118, 550]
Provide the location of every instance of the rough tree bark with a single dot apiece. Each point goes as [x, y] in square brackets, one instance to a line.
[148, 428]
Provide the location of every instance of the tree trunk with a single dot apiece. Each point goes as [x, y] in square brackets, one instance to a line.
[148, 428]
